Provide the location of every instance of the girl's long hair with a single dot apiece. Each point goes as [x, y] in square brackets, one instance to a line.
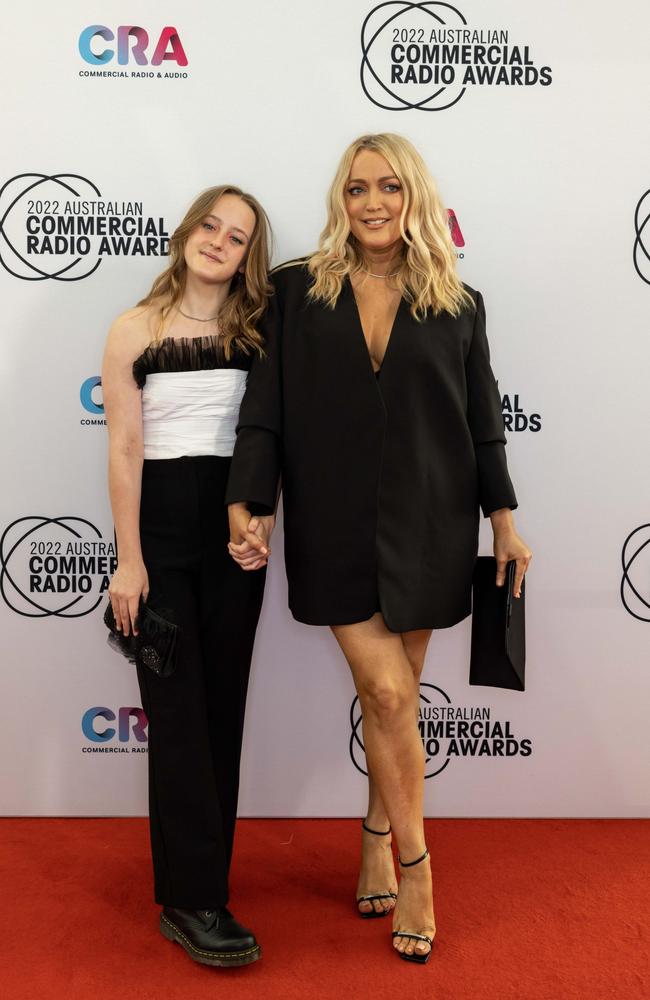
[427, 276]
[240, 314]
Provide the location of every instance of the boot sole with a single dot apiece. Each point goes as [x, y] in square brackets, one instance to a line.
[221, 958]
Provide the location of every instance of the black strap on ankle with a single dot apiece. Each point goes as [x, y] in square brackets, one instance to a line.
[377, 833]
[409, 864]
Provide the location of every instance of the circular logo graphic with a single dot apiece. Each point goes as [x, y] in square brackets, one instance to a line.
[54, 566]
[641, 253]
[449, 731]
[395, 72]
[34, 244]
[430, 696]
[635, 589]
[89, 398]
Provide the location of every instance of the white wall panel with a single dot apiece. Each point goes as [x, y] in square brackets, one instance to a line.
[544, 181]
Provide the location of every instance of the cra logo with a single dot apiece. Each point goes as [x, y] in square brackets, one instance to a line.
[130, 43]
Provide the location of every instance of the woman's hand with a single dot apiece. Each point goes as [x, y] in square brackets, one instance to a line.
[129, 583]
[508, 545]
[249, 537]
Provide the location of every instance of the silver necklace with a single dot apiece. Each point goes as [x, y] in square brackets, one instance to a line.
[381, 275]
[198, 319]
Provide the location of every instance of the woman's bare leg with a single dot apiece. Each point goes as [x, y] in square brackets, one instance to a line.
[377, 870]
[415, 646]
[388, 694]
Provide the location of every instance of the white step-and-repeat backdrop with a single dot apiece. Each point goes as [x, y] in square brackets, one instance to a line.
[532, 118]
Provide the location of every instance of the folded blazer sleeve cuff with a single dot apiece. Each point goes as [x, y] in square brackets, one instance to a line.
[255, 470]
[494, 483]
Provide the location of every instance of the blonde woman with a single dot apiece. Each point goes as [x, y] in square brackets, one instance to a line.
[377, 404]
[174, 374]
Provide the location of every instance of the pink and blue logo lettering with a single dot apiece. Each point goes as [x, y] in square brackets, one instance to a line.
[131, 721]
[132, 45]
[454, 228]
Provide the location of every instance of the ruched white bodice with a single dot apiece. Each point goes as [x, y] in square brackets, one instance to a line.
[191, 413]
[190, 397]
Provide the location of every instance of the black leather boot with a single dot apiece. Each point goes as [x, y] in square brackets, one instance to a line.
[212, 937]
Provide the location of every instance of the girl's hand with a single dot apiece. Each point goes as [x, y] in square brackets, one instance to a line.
[129, 583]
[249, 537]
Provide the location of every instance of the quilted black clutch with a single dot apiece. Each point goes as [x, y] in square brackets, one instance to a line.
[155, 644]
[498, 657]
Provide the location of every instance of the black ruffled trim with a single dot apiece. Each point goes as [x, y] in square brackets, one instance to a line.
[185, 354]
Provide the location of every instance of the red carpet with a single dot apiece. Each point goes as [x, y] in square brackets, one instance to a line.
[526, 909]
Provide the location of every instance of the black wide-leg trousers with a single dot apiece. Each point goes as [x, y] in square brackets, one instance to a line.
[196, 715]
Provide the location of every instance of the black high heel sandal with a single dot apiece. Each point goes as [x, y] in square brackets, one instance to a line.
[373, 913]
[421, 959]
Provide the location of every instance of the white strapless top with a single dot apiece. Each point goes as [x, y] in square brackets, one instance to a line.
[191, 412]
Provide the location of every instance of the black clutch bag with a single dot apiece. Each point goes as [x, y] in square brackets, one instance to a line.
[498, 657]
[153, 647]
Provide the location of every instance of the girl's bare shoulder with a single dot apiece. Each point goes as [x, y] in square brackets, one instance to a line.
[132, 331]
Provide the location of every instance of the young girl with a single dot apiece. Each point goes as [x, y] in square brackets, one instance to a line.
[174, 375]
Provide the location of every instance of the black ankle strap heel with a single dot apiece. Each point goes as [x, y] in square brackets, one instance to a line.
[377, 833]
[373, 914]
[409, 864]
[418, 957]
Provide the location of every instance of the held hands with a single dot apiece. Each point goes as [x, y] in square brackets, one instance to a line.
[130, 581]
[249, 537]
[508, 545]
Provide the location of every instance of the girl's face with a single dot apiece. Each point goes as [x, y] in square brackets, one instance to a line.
[374, 199]
[217, 247]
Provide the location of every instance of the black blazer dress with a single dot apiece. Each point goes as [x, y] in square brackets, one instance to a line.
[382, 477]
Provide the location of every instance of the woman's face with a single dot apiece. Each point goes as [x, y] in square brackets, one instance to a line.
[216, 249]
[374, 199]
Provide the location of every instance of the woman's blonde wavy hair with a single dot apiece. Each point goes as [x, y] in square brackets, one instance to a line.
[427, 277]
[240, 314]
